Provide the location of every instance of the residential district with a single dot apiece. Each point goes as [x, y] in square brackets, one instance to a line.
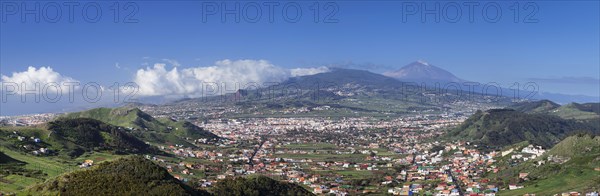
[341, 156]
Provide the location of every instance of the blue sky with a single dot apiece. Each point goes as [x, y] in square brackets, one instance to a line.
[560, 51]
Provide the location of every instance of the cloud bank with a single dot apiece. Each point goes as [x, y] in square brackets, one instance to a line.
[169, 79]
[33, 76]
[224, 76]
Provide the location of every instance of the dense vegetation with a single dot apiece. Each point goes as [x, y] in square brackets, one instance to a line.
[256, 185]
[133, 175]
[500, 127]
[84, 134]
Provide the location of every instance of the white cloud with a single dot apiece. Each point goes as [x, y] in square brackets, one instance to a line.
[157, 80]
[308, 71]
[42, 76]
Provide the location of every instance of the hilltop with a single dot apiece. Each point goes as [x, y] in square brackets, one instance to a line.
[542, 107]
[146, 127]
[501, 127]
[584, 111]
[124, 117]
[576, 111]
[75, 136]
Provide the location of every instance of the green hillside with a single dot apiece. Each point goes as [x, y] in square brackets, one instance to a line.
[501, 127]
[578, 111]
[257, 185]
[5, 159]
[75, 136]
[576, 145]
[21, 170]
[126, 176]
[540, 107]
[579, 172]
[147, 127]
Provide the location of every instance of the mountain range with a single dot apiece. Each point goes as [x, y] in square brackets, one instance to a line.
[413, 83]
[417, 73]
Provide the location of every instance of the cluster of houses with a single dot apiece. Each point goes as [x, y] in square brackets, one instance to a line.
[30, 144]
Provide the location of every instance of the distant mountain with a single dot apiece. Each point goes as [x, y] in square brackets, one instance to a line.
[501, 127]
[75, 136]
[126, 176]
[540, 107]
[347, 92]
[145, 126]
[421, 71]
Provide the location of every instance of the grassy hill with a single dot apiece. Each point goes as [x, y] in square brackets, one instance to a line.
[75, 136]
[24, 169]
[578, 173]
[146, 127]
[578, 111]
[257, 185]
[68, 142]
[539, 107]
[576, 145]
[501, 127]
[125, 176]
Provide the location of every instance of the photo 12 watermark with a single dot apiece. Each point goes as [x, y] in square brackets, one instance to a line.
[54, 92]
[270, 11]
[437, 92]
[69, 11]
[470, 11]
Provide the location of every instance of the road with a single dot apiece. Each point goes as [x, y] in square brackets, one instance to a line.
[460, 192]
[262, 142]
